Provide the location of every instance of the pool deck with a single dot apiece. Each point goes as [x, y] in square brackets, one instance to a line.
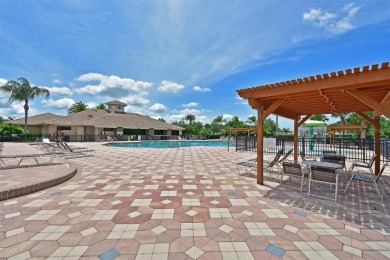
[186, 203]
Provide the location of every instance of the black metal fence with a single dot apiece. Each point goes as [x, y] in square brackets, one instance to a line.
[353, 149]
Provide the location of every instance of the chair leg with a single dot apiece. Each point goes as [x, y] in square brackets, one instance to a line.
[308, 191]
[302, 179]
[377, 189]
[346, 188]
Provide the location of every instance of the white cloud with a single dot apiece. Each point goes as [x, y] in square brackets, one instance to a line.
[56, 81]
[3, 81]
[169, 86]
[59, 103]
[336, 22]
[191, 104]
[135, 100]
[241, 101]
[199, 89]
[59, 91]
[176, 117]
[158, 108]
[91, 104]
[202, 119]
[112, 86]
[227, 117]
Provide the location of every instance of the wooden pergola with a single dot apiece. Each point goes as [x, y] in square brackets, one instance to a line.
[355, 90]
[333, 129]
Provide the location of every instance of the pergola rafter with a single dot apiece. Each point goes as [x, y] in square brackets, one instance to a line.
[355, 90]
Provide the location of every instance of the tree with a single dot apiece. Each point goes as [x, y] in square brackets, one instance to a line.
[1, 120]
[77, 107]
[101, 106]
[10, 129]
[161, 119]
[21, 90]
[235, 122]
[269, 127]
[342, 117]
[319, 117]
[218, 120]
[190, 118]
[252, 120]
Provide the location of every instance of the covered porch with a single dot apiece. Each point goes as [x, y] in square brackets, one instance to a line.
[356, 90]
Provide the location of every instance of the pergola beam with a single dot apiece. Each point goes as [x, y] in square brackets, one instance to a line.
[370, 102]
[363, 79]
[272, 108]
[386, 100]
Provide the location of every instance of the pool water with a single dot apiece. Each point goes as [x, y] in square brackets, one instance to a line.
[170, 144]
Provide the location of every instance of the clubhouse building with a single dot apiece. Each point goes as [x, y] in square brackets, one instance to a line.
[98, 124]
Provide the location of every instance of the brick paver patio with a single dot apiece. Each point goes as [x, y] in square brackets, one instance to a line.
[188, 203]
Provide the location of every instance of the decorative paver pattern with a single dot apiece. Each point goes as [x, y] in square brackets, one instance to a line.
[189, 203]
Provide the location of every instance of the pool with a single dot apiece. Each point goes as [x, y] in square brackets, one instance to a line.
[171, 144]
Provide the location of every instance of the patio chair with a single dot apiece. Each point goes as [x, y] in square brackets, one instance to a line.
[323, 175]
[368, 177]
[284, 158]
[292, 170]
[363, 164]
[305, 157]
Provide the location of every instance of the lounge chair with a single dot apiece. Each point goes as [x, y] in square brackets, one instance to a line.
[323, 175]
[22, 157]
[368, 177]
[292, 170]
[251, 164]
[77, 151]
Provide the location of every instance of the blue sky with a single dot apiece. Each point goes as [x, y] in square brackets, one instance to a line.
[172, 58]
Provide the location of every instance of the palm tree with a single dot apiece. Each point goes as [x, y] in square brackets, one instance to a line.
[342, 117]
[190, 118]
[21, 90]
[101, 106]
[252, 120]
[218, 120]
[77, 107]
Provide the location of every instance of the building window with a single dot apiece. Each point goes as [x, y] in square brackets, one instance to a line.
[109, 129]
[64, 128]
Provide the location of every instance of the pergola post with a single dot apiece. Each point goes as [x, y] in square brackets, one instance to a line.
[377, 137]
[296, 140]
[260, 134]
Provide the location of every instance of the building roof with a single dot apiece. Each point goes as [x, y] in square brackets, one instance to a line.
[129, 120]
[40, 119]
[355, 90]
[99, 118]
[116, 102]
[80, 117]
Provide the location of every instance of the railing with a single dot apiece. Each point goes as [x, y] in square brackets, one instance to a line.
[353, 149]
